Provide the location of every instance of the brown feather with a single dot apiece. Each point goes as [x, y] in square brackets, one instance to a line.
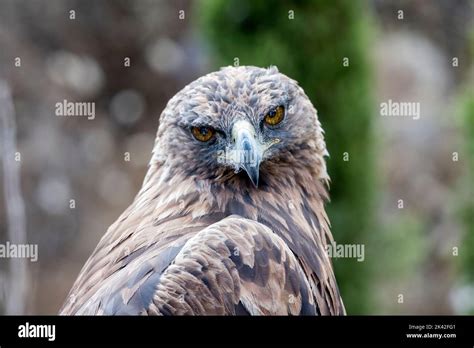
[193, 243]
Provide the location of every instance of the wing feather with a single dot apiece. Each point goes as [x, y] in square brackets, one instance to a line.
[234, 266]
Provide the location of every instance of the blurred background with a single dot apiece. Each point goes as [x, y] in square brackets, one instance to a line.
[402, 187]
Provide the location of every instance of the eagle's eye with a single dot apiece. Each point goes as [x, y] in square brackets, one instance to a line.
[203, 133]
[275, 116]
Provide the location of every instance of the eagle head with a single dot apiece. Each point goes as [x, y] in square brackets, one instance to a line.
[240, 124]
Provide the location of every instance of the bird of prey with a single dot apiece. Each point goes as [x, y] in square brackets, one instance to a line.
[230, 218]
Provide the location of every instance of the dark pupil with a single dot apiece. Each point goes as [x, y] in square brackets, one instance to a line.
[272, 113]
[203, 130]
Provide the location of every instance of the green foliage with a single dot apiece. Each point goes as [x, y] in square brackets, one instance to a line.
[310, 49]
[465, 188]
[402, 240]
[467, 247]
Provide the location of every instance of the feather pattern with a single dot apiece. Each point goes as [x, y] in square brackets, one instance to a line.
[199, 238]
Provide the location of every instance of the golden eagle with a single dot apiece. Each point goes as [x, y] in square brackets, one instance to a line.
[230, 218]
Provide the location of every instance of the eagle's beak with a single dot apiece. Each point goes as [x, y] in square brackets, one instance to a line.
[248, 150]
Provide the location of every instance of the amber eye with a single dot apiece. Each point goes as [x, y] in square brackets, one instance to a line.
[203, 133]
[275, 116]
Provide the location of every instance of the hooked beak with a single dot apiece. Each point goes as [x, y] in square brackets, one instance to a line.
[248, 151]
